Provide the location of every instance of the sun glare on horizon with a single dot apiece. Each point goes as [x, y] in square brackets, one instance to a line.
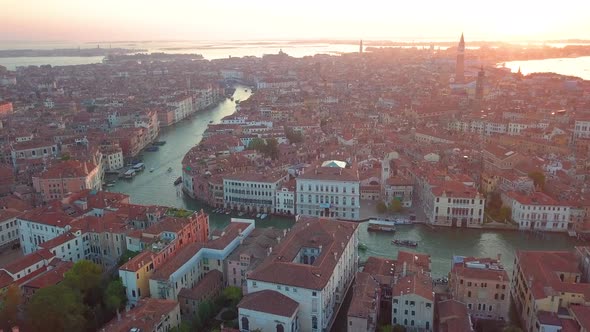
[306, 19]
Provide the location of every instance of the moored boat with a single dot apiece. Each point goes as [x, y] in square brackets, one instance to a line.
[404, 243]
[381, 226]
[178, 181]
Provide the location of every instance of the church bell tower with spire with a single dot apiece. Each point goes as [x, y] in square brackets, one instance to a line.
[460, 67]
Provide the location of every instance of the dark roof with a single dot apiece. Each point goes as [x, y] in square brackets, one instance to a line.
[269, 301]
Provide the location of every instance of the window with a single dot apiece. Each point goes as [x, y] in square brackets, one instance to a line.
[245, 324]
[280, 328]
[314, 322]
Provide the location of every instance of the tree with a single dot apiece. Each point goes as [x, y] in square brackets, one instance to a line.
[272, 148]
[381, 207]
[205, 311]
[396, 205]
[233, 294]
[257, 144]
[114, 295]
[127, 255]
[505, 213]
[399, 328]
[538, 178]
[9, 307]
[293, 136]
[183, 327]
[85, 277]
[494, 201]
[56, 308]
[386, 328]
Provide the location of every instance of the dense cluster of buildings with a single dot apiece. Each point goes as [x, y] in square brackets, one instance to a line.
[445, 133]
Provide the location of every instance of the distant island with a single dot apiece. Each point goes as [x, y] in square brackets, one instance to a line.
[77, 52]
[112, 58]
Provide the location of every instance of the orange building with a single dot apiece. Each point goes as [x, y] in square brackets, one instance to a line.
[69, 176]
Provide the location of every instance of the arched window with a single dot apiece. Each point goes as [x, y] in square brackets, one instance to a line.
[314, 322]
[311, 260]
[305, 259]
[245, 324]
[280, 328]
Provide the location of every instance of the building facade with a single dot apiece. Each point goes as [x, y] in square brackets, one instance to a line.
[332, 191]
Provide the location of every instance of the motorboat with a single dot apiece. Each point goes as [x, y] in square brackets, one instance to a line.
[258, 215]
[152, 170]
[169, 169]
[263, 216]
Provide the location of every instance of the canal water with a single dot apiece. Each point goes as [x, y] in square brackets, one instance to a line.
[441, 244]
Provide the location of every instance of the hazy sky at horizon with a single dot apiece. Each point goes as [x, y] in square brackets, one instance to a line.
[85, 20]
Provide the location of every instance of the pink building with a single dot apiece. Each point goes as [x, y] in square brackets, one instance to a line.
[69, 176]
[5, 108]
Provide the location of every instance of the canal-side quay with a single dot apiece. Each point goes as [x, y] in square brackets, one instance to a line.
[440, 243]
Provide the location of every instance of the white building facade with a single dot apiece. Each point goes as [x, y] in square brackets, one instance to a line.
[329, 191]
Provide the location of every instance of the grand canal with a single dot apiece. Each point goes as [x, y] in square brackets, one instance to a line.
[157, 188]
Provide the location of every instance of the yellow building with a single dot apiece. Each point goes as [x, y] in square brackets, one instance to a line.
[544, 286]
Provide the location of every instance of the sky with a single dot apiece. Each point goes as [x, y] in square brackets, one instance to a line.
[126, 20]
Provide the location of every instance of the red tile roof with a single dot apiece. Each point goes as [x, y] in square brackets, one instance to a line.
[418, 283]
[582, 315]
[331, 235]
[28, 260]
[50, 277]
[543, 267]
[145, 316]
[364, 296]
[211, 280]
[269, 301]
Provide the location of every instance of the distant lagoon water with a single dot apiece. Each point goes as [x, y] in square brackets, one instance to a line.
[579, 67]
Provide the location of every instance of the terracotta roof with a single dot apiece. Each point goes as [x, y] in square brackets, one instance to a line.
[48, 216]
[331, 235]
[136, 263]
[413, 260]
[147, 314]
[269, 301]
[330, 174]
[364, 296]
[453, 316]
[485, 273]
[28, 260]
[50, 277]
[209, 281]
[582, 315]
[543, 268]
[379, 266]
[228, 234]
[175, 262]
[417, 283]
[68, 169]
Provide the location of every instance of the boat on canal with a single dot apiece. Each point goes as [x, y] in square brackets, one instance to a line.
[263, 216]
[178, 181]
[159, 143]
[405, 243]
[381, 226]
[129, 174]
[152, 148]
